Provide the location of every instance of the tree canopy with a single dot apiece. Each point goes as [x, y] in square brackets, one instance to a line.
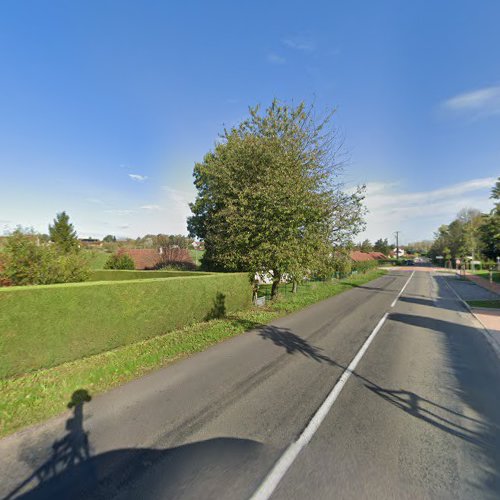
[471, 233]
[268, 196]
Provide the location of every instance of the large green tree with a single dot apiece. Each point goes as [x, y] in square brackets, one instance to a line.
[269, 199]
[63, 234]
[490, 230]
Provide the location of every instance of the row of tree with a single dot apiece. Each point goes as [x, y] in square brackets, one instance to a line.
[471, 233]
[269, 199]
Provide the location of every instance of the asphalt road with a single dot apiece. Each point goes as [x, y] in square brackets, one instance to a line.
[419, 416]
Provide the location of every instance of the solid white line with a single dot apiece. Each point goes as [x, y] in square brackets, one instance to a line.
[402, 289]
[276, 474]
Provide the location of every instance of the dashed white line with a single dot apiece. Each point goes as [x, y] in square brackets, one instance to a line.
[280, 468]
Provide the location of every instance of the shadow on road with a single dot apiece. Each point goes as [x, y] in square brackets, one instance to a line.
[468, 353]
[73, 473]
[283, 337]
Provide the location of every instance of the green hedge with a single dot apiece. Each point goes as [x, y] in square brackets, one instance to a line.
[44, 326]
[118, 275]
[365, 265]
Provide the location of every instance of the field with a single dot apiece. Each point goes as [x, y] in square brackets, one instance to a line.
[97, 259]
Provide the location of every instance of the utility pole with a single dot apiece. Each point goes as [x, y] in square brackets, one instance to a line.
[397, 243]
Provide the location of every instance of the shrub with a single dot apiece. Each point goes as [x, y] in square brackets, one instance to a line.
[119, 261]
[178, 259]
[27, 262]
[364, 266]
[45, 326]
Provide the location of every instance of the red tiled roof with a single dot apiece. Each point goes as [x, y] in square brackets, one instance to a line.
[144, 258]
[358, 256]
[378, 255]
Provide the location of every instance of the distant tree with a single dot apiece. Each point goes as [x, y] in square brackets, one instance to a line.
[63, 234]
[366, 246]
[109, 238]
[382, 245]
[267, 197]
[420, 247]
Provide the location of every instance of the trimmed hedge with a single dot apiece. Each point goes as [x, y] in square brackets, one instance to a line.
[44, 326]
[118, 275]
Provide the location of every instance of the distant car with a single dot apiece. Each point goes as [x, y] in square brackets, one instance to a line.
[409, 263]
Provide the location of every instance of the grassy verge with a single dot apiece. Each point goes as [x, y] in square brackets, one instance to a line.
[36, 396]
[494, 304]
[486, 275]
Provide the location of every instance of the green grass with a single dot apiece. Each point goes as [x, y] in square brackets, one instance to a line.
[34, 397]
[196, 255]
[97, 259]
[120, 275]
[486, 275]
[494, 304]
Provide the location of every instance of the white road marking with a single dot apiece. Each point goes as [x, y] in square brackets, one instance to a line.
[280, 468]
[402, 290]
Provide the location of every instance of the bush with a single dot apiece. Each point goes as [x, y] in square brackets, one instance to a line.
[45, 326]
[365, 265]
[178, 259]
[119, 261]
[27, 262]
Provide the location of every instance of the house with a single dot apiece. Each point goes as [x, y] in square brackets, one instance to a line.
[378, 255]
[358, 256]
[90, 242]
[144, 258]
[400, 253]
[153, 258]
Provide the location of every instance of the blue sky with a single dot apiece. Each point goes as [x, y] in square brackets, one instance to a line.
[105, 106]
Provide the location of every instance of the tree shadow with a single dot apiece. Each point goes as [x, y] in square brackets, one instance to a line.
[284, 337]
[218, 309]
[483, 432]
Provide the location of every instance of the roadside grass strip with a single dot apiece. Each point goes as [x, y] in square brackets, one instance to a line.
[491, 304]
[36, 396]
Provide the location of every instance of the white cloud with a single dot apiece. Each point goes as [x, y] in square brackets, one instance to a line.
[418, 214]
[275, 58]
[301, 43]
[138, 177]
[151, 207]
[481, 102]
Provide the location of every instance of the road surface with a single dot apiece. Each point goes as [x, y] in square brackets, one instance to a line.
[418, 416]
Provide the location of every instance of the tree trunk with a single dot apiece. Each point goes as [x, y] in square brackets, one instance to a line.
[276, 282]
[294, 286]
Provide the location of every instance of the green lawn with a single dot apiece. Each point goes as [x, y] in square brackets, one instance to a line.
[97, 259]
[36, 396]
[486, 275]
[196, 255]
[495, 304]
